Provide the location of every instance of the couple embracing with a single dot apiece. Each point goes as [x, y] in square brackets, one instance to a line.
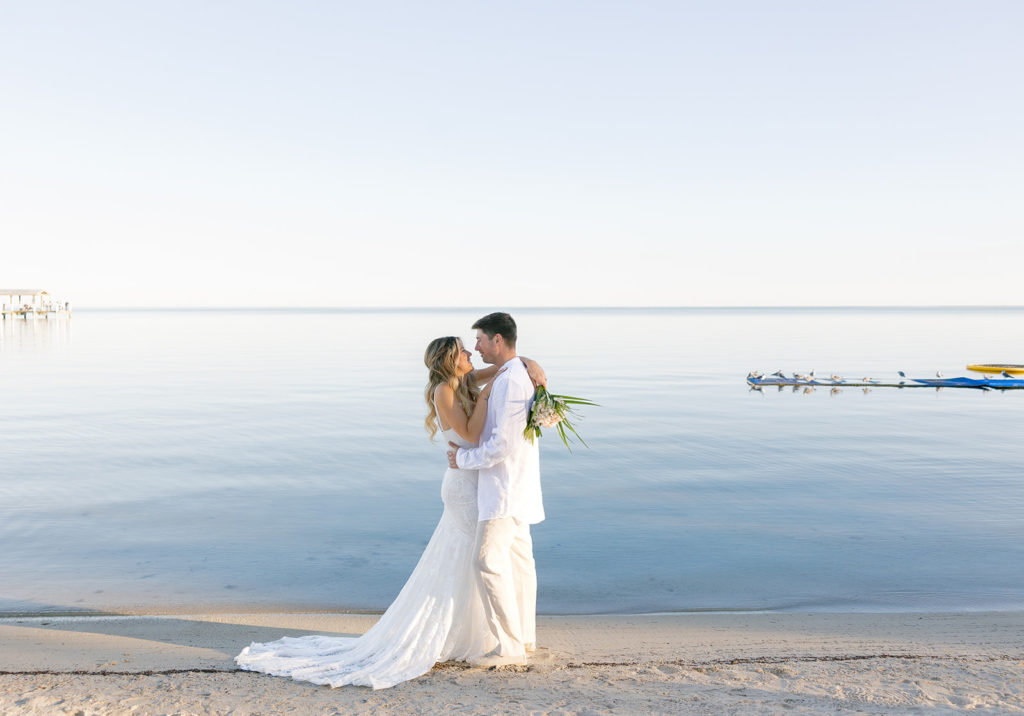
[472, 596]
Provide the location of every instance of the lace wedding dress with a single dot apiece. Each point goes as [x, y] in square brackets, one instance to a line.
[438, 615]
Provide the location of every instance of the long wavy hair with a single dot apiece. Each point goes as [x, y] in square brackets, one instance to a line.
[442, 361]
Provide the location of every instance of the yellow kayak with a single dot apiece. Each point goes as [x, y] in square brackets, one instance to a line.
[997, 368]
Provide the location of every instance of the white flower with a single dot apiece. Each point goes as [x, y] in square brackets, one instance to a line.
[551, 411]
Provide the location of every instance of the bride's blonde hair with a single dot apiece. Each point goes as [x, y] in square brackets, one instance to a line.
[442, 360]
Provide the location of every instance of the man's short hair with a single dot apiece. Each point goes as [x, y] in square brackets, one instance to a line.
[498, 324]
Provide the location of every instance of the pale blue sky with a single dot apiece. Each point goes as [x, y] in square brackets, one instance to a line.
[514, 153]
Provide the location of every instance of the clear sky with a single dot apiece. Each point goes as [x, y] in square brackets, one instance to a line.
[239, 152]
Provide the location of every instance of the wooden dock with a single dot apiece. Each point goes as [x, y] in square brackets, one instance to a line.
[31, 303]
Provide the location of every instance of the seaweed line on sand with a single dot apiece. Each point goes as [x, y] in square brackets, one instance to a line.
[460, 666]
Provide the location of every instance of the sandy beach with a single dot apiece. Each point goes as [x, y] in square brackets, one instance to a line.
[679, 663]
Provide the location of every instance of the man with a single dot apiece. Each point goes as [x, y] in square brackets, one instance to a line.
[508, 497]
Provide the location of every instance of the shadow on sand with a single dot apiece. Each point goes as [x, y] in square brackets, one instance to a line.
[212, 640]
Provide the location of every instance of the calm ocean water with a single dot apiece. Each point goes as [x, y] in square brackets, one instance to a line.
[162, 459]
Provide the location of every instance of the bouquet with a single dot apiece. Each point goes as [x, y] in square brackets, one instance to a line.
[552, 411]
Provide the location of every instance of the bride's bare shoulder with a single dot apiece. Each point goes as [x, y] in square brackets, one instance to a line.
[443, 393]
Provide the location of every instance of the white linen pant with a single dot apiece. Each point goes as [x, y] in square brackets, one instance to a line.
[508, 577]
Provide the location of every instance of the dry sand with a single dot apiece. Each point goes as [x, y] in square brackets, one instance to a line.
[684, 663]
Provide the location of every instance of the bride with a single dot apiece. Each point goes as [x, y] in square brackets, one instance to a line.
[438, 615]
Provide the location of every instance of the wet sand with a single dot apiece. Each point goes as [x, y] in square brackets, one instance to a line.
[679, 663]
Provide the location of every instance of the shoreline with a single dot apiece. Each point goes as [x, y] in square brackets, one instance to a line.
[216, 609]
[655, 663]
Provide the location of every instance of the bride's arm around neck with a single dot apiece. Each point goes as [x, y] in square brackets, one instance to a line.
[533, 368]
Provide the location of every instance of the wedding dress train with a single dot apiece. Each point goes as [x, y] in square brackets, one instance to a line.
[438, 615]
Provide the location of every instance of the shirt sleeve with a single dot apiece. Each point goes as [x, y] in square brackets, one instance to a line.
[512, 403]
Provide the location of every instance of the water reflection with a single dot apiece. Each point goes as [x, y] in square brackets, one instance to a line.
[21, 338]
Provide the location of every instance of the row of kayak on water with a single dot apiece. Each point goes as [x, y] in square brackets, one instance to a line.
[998, 376]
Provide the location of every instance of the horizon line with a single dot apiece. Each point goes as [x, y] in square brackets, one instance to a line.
[254, 307]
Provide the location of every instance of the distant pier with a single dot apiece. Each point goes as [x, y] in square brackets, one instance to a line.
[31, 303]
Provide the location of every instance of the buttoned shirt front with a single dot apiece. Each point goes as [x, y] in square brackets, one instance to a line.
[508, 464]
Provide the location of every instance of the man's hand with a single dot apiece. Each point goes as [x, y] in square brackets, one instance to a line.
[451, 455]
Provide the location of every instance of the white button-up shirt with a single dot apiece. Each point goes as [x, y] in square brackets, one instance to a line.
[509, 465]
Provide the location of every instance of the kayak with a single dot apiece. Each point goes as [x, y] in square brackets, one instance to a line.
[997, 368]
[963, 382]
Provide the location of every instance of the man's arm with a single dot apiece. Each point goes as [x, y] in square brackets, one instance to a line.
[511, 402]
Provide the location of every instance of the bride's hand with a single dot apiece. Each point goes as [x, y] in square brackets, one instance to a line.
[486, 392]
[535, 372]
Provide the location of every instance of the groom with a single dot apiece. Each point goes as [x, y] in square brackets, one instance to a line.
[508, 497]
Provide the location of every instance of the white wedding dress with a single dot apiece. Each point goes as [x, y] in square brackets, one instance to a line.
[438, 615]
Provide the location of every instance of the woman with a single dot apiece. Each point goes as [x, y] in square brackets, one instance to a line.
[438, 615]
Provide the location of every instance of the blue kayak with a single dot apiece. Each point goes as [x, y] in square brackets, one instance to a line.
[971, 382]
